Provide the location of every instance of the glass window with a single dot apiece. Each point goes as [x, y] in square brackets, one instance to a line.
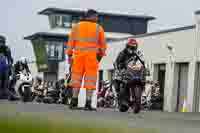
[58, 21]
[47, 49]
[60, 52]
[52, 53]
[55, 50]
[100, 21]
[66, 21]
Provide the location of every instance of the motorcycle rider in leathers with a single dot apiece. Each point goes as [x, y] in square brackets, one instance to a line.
[5, 51]
[19, 66]
[130, 51]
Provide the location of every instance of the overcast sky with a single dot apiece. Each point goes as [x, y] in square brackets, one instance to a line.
[19, 18]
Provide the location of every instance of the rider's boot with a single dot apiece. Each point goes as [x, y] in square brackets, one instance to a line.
[74, 103]
[137, 108]
[4, 92]
[13, 97]
[88, 105]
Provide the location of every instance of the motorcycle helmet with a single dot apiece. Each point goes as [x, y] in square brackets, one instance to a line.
[23, 60]
[2, 40]
[131, 45]
[106, 84]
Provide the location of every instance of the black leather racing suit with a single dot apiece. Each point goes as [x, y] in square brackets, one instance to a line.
[120, 64]
[4, 76]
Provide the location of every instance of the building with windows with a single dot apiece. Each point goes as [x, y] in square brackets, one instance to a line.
[173, 57]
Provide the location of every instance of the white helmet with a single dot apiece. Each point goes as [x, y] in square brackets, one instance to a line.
[23, 60]
[107, 84]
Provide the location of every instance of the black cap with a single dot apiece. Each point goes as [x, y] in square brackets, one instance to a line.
[90, 12]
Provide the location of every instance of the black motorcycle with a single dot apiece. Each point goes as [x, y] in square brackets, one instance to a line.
[106, 97]
[52, 93]
[131, 87]
[66, 91]
[38, 93]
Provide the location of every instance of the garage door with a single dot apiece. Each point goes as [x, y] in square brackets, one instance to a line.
[197, 97]
[182, 84]
[161, 77]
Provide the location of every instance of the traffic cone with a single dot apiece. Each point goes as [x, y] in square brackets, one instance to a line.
[184, 108]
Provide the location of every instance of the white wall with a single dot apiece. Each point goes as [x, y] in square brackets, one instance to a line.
[154, 47]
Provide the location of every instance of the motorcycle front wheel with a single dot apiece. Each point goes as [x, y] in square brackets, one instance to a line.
[27, 95]
[137, 96]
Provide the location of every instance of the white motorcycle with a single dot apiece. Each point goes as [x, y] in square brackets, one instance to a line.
[23, 86]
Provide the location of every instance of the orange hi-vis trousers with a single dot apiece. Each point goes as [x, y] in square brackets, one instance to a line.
[84, 66]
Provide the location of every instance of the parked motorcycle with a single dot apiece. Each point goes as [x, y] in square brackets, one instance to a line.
[52, 93]
[155, 102]
[106, 97]
[38, 92]
[66, 91]
[23, 86]
[145, 103]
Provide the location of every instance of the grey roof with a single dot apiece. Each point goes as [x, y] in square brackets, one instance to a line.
[49, 11]
[197, 12]
[56, 36]
[163, 31]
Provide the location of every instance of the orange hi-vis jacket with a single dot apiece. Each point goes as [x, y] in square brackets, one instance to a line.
[86, 37]
[86, 40]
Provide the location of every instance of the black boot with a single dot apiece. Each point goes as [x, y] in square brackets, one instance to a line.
[3, 94]
[74, 103]
[137, 109]
[12, 94]
[88, 105]
[13, 97]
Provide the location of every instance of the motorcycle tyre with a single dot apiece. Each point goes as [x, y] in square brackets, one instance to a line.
[123, 108]
[27, 97]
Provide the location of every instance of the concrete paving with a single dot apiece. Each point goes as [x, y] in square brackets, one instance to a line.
[162, 121]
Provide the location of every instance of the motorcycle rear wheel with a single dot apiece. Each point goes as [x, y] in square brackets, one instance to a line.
[26, 96]
[123, 108]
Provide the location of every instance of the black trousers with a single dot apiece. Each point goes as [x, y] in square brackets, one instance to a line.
[4, 79]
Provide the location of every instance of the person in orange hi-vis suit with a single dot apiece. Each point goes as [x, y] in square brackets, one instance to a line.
[87, 46]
